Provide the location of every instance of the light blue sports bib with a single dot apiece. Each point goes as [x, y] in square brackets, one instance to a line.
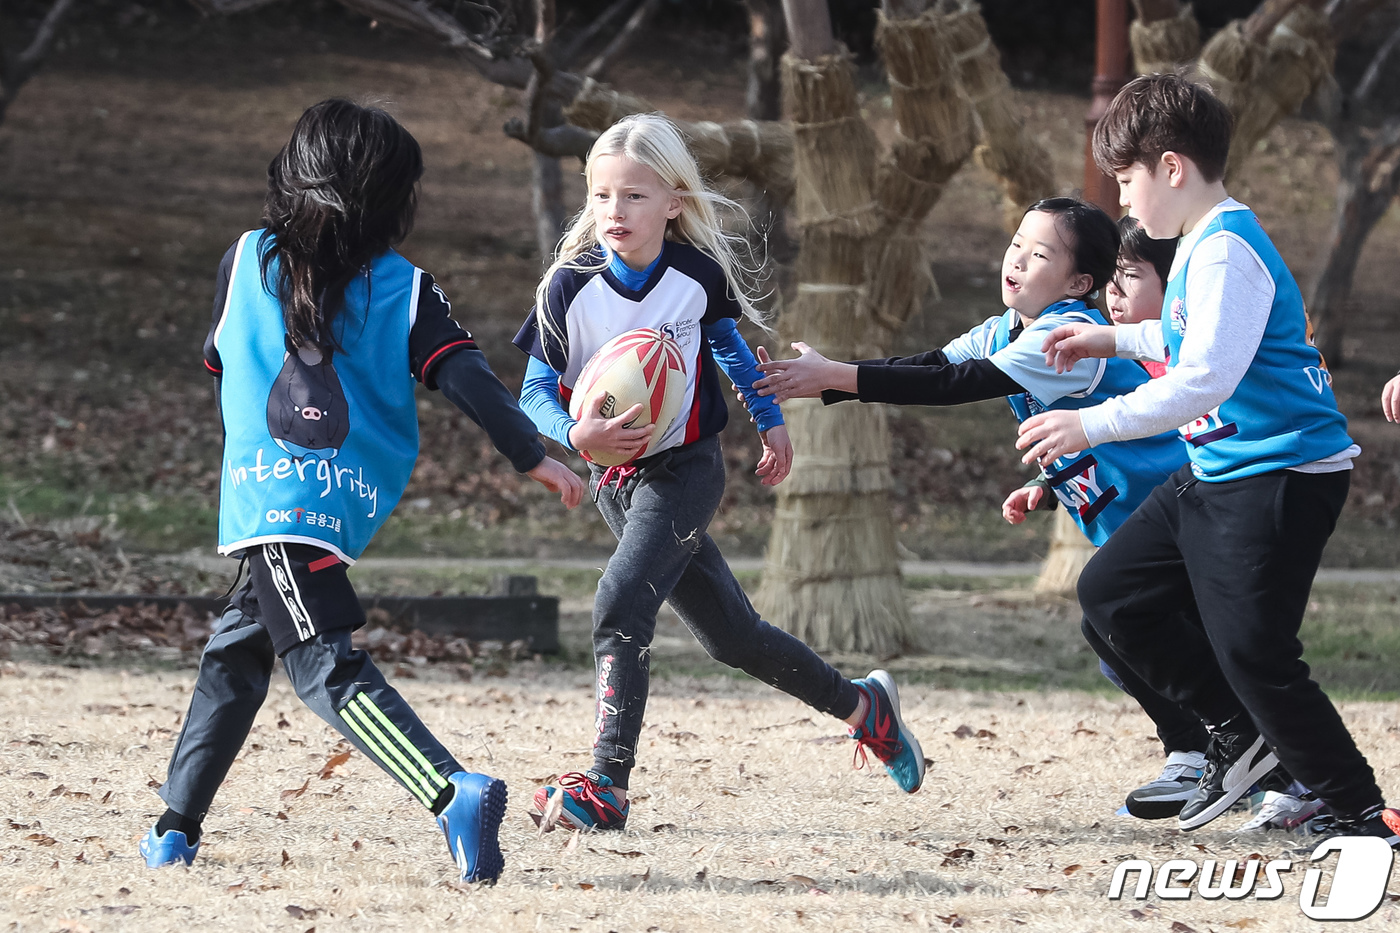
[318, 447]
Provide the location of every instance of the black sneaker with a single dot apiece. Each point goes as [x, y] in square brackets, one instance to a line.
[1235, 759]
[1378, 821]
[1163, 798]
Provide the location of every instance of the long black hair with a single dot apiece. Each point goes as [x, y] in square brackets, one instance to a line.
[1092, 235]
[343, 190]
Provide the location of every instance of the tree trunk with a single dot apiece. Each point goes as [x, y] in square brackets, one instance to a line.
[547, 199]
[1007, 149]
[546, 176]
[832, 574]
[763, 98]
[1370, 177]
[1264, 68]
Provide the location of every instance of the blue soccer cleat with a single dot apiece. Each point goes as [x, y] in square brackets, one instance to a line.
[589, 801]
[471, 822]
[883, 732]
[167, 849]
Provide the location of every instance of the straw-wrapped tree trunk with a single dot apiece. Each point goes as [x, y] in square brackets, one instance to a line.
[1264, 68]
[832, 572]
[1164, 36]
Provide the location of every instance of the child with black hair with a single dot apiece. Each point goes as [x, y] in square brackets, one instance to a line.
[1063, 251]
[320, 329]
[1238, 534]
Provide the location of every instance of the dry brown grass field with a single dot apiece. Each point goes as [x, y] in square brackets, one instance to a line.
[128, 165]
[747, 815]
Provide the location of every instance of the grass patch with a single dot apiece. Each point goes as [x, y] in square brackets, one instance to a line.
[983, 633]
[1351, 639]
[143, 522]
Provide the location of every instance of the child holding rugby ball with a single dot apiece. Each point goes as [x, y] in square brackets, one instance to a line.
[648, 251]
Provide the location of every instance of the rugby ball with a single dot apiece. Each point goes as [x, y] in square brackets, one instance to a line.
[640, 367]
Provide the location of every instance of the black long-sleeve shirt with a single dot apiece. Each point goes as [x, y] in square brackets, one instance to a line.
[927, 379]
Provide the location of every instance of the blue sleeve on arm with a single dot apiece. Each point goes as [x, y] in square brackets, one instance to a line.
[737, 360]
[539, 398]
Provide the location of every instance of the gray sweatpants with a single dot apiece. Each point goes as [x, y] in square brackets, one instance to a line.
[341, 685]
[660, 516]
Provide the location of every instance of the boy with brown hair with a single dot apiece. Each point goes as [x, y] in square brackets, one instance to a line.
[1237, 533]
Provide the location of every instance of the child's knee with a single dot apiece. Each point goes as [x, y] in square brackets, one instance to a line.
[1094, 589]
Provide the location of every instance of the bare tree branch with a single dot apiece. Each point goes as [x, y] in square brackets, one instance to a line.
[44, 36]
[1373, 70]
[570, 51]
[1348, 16]
[422, 16]
[228, 7]
[12, 77]
[556, 141]
[624, 38]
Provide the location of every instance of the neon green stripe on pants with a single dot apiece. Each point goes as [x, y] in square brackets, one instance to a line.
[351, 718]
[403, 741]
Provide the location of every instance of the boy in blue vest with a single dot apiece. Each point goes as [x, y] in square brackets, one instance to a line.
[1237, 533]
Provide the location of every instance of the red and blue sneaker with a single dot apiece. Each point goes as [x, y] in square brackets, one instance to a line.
[167, 848]
[885, 735]
[470, 821]
[589, 801]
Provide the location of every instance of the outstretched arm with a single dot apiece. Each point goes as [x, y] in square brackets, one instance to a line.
[732, 354]
[466, 380]
[926, 379]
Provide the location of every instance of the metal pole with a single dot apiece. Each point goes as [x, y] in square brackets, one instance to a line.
[1110, 74]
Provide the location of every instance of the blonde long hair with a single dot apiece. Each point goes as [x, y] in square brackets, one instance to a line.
[654, 141]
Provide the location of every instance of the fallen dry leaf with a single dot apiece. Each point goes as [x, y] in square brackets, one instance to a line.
[955, 856]
[294, 792]
[334, 762]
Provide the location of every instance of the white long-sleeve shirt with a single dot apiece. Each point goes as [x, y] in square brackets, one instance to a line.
[1231, 294]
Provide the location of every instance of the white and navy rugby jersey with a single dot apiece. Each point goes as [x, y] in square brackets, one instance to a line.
[590, 306]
